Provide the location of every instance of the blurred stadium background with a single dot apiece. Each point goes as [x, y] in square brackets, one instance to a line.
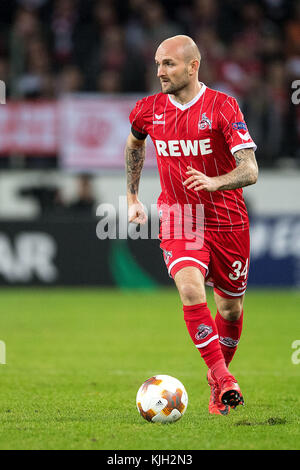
[61, 147]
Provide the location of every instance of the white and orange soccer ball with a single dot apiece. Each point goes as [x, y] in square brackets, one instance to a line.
[162, 399]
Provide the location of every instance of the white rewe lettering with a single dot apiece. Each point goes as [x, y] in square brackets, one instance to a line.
[174, 148]
[205, 146]
[189, 147]
[178, 148]
[161, 148]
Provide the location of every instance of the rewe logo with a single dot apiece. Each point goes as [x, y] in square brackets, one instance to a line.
[179, 148]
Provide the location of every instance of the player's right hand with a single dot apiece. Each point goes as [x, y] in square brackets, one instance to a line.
[137, 214]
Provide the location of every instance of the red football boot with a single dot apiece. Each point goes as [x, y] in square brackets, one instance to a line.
[230, 393]
[215, 407]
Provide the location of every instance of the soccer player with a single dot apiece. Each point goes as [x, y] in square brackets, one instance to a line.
[205, 155]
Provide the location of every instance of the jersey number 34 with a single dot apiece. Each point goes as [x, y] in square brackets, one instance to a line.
[237, 265]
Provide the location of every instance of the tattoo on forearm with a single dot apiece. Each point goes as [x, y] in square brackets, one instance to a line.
[134, 163]
[238, 156]
[245, 172]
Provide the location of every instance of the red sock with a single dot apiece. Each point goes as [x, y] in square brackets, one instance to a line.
[204, 334]
[229, 335]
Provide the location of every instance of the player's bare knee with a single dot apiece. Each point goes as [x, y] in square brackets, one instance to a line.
[231, 312]
[191, 294]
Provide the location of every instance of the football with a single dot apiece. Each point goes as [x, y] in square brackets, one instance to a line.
[162, 399]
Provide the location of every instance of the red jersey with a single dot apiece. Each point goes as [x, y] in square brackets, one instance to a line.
[203, 134]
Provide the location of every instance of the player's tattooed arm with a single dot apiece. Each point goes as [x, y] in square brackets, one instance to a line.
[245, 174]
[134, 160]
[134, 157]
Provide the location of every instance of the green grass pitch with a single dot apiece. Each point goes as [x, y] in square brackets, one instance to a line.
[76, 358]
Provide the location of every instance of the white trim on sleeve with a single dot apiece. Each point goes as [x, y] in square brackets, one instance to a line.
[244, 146]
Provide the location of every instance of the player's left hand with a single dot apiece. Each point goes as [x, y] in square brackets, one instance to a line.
[200, 182]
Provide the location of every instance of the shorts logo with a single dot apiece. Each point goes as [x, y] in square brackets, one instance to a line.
[203, 331]
[167, 255]
[204, 123]
[229, 342]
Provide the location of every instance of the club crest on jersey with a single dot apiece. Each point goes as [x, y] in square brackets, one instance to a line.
[204, 123]
[203, 331]
[167, 255]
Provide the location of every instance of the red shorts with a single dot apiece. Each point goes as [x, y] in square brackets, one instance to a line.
[223, 260]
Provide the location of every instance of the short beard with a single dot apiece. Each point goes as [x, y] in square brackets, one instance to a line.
[174, 89]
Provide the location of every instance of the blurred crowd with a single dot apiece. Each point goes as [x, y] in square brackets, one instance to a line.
[250, 49]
